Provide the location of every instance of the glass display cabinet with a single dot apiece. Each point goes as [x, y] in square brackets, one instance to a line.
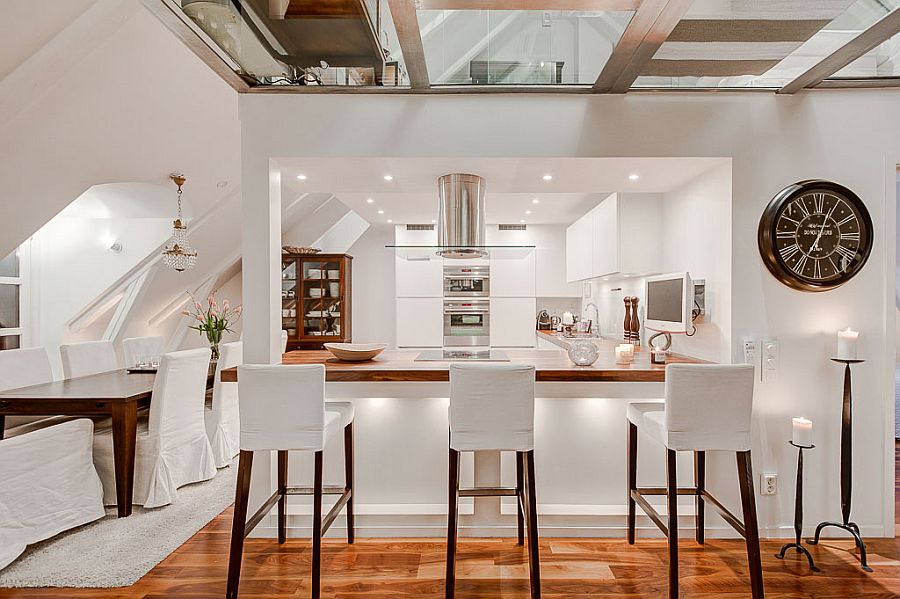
[315, 299]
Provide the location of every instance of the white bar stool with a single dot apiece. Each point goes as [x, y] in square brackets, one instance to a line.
[708, 408]
[492, 409]
[282, 408]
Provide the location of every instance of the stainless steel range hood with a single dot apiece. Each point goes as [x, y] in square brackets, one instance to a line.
[461, 216]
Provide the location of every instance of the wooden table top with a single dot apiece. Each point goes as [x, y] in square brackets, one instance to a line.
[550, 365]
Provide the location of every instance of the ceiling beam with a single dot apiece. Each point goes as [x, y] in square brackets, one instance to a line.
[407, 25]
[878, 33]
[542, 5]
[648, 29]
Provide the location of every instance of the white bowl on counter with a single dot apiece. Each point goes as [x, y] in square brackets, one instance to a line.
[355, 352]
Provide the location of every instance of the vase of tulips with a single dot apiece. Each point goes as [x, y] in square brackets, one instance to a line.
[213, 320]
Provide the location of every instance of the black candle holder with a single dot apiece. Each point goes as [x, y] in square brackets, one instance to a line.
[846, 470]
[798, 513]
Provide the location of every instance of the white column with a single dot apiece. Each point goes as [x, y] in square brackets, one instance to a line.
[261, 232]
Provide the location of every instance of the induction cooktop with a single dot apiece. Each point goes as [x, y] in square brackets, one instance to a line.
[462, 355]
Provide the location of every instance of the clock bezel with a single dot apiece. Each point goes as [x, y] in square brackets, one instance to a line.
[768, 223]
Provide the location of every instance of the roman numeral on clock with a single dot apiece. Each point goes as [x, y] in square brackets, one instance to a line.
[788, 252]
[850, 236]
[786, 234]
[846, 220]
[819, 200]
[803, 209]
[801, 263]
[845, 253]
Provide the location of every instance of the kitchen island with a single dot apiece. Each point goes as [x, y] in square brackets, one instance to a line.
[402, 447]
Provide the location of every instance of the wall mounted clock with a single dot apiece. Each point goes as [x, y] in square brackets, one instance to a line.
[815, 235]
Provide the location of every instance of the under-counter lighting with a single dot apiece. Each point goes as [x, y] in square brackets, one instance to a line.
[370, 201]
[301, 177]
[388, 178]
[548, 177]
[381, 212]
[633, 177]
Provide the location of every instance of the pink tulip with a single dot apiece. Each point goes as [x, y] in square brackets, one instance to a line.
[238, 310]
[199, 318]
[199, 307]
[225, 305]
[211, 300]
[185, 313]
[213, 314]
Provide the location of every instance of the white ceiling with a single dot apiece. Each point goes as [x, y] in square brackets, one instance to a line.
[512, 184]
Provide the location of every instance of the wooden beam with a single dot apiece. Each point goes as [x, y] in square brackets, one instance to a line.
[198, 42]
[878, 33]
[406, 22]
[648, 29]
[542, 5]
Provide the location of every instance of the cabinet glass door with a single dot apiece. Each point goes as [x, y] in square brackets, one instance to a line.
[289, 298]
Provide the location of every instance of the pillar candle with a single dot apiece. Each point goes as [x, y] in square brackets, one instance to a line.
[846, 344]
[802, 431]
[623, 356]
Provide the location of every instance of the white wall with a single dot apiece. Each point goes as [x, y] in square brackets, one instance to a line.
[848, 136]
[374, 314]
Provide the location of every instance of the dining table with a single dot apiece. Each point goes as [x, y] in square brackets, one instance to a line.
[118, 394]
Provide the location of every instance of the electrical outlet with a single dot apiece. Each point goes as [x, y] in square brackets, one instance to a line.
[750, 352]
[768, 484]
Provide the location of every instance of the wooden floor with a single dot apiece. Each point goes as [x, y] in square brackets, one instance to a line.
[497, 568]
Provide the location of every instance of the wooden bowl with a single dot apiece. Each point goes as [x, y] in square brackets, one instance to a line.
[355, 352]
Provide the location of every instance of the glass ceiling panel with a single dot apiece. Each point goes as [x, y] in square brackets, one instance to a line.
[518, 47]
[342, 42]
[881, 62]
[756, 43]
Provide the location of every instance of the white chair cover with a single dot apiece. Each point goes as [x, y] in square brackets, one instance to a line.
[708, 407]
[134, 348]
[88, 357]
[223, 423]
[172, 448]
[284, 339]
[283, 407]
[491, 407]
[47, 485]
[23, 368]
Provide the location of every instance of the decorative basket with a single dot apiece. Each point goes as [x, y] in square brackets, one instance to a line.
[291, 249]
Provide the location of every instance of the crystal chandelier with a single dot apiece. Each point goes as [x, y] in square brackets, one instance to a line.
[179, 255]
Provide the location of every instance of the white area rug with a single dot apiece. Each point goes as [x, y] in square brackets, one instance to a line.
[116, 552]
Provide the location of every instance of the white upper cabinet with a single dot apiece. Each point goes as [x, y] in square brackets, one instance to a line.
[621, 235]
[513, 277]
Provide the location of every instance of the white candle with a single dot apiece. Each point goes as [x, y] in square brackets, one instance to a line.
[568, 318]
[623, 356]
[802, 431]
[846, 344]
[627, 348]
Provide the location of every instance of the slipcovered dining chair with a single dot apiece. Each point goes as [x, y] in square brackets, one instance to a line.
[172, 449]
[283, 409]
[23, 368]
[223, 421]
[284, 340]
[707, 408]
[135, 348]
[49, 485]
[88, 357]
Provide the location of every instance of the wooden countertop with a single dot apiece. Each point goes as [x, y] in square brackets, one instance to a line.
[551, 365]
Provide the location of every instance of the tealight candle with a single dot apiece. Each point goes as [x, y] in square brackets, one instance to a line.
[623, 356]
[627, 348]
[802, 432]
[846, 344]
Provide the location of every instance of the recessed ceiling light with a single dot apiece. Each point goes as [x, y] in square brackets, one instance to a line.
[388, 178]
[528, 212]
[433, 221]
[301, 177]
[535, 201]
[633, 177]
[381, 212]
[390, 221]
[522, 221]
[369, 201]
[548, 177]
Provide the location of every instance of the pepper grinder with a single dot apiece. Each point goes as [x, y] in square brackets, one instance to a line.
[626, 326]
[635, 336]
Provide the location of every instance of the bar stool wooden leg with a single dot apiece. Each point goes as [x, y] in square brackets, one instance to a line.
[672, 507]
[348, 479]
[282, 490]
[631, 458]
[700, 483]
[239, 520]
[751, 526]
[520, 496]
[317, 528]
[533, 549]
[453, 500]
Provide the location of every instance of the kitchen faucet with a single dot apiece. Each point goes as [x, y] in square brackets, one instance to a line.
[595, 323]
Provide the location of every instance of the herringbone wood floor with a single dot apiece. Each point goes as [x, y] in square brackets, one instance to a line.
[496, 568]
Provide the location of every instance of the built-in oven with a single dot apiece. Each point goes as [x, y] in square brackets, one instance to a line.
[467, 323]
[467, 281]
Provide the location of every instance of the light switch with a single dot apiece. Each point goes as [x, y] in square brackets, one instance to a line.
[750, 352]
[770, 359]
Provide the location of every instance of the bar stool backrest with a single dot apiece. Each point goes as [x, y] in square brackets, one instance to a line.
[88, 357]
[491, 407]
[709, 406]
[282, 406]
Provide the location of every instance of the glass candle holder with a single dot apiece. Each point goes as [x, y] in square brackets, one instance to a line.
[583, 352]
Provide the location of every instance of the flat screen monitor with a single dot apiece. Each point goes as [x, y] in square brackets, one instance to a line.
[669, 302]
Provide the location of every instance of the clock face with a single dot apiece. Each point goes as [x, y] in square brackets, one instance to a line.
[815, 235]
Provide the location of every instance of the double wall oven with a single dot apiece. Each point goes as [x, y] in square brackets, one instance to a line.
[467, 307]
[467, 281]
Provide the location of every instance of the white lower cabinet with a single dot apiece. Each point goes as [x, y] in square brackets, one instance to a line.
[512, 321]
[420, 322]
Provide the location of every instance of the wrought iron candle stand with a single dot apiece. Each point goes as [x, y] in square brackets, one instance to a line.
[798, 513]
[846, 470]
